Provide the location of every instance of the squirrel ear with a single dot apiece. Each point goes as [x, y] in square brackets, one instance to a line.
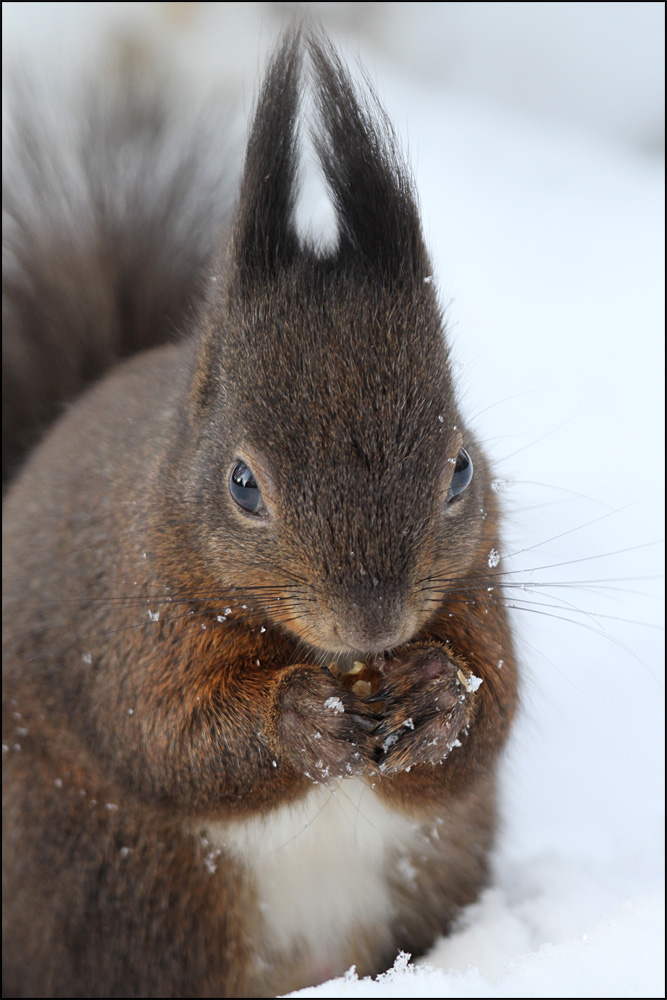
[264, 237]
[371, 186]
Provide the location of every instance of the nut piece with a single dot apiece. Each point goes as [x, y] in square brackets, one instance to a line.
[361, 679]
[362, 689]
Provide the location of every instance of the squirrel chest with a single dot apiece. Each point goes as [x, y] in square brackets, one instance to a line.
[325, 871]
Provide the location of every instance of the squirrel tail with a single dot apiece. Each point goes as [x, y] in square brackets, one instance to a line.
[112, 208]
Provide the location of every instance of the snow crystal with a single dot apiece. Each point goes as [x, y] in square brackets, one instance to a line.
[87, 657]
[335, 704]
[389, 742]
[500, 484]
[153, 615]
[494, 558]
[474, 683]
[211, 859]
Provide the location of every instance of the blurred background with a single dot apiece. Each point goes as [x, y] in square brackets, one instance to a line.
[596, 66]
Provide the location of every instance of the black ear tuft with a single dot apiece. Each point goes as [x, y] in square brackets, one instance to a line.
[264, 237]
[372, 190]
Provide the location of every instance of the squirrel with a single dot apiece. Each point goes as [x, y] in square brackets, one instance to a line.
[257, 673]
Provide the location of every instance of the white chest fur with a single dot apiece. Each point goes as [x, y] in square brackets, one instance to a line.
[320, 865]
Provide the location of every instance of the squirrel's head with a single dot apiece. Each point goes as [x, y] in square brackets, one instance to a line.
[333, 476]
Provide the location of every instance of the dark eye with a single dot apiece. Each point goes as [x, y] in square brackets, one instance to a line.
[462, 476]
[244, 489]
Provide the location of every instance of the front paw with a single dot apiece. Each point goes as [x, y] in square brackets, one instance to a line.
[428, 696]
[322, 729]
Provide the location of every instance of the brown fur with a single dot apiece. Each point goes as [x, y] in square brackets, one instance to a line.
[137, 706]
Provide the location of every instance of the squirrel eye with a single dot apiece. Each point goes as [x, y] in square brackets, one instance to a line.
[244, 489]
[462, 476]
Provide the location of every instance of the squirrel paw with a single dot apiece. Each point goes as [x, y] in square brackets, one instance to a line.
[427, 700]
[322, 729]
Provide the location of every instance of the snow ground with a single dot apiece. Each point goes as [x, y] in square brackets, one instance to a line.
[548, 250]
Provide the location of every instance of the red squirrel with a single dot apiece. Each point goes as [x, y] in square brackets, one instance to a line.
[256, 679]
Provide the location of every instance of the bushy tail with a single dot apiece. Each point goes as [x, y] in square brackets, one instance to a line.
[112, 208]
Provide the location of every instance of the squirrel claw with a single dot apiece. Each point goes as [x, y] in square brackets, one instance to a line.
[368, 721]
[374, 699]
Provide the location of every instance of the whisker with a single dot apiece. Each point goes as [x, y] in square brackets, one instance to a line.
[543, 437]
[587, 524]
[507, 399]
[589, 614]
[590, 628]
[495, 574]
[563, 489]
[523, 641]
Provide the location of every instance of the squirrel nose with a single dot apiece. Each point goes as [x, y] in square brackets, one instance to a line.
[370, 641]
[372, 629]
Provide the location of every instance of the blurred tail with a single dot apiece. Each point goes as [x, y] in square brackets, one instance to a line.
[112, 209]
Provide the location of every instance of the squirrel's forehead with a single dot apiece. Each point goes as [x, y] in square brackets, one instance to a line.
[331, 443]
[335, 369]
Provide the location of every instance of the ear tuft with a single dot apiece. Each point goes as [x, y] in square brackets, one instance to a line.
[378, 219]
[379, 230]
[264, 237]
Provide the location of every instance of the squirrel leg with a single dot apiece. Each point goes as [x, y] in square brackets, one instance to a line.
[126, 904]
[244, 728]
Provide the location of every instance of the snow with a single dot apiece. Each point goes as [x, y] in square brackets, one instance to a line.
[617, 958]
[547, 246]
[473, 683]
